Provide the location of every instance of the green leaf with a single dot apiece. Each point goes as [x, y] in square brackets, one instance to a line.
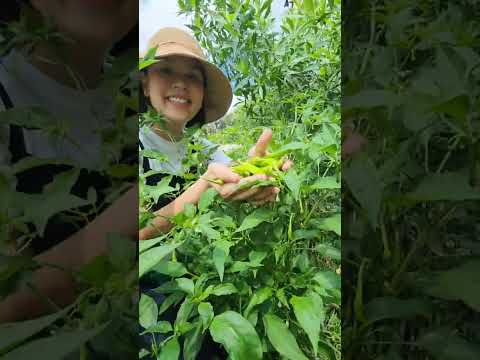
[184, 311]
[457, 107]
[170, 300]
[281, 338]
[308, 5]
[446, 186]
[55, 347]
[237, 335]
[121, 251]
[459, 283]
[162, 327]
[12, 271]
[239, 266]
[444, 344]
[332, 223]
[284, 150]
[329, 251]
[54, 199]
[170, 350]
[193, 342]
[220, 254]
[147, 244]
[170, 268]
[12, 333]
[293, 181]
[329, 182]
[162, 188]
[224, 289]
[205, 310]
[142, 353]
[255, 218]
[393, 308]
[328, 279]
[148, 311]
[364, 182]
[369, 99]
[258, 298]
[152, 257]
[206, 199]
[256, 257]
[205, 228]
[186, 285]
[219, 258]
[310, 314]
[97, 271]
[146, 63]
[148, 59]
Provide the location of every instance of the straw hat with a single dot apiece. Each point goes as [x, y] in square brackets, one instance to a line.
[218, 92]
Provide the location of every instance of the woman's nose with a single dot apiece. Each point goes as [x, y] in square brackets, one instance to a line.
[179, 81]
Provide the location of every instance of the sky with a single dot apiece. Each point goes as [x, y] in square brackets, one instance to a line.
[159, 13]
[154, 14]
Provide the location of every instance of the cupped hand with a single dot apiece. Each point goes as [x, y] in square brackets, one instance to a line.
[231, 186]
[260, 148]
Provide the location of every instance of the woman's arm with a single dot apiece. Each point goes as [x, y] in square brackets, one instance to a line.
[160, 223]
[121, 217]
[229, 190]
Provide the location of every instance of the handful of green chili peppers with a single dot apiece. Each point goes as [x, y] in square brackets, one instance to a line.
[270, 165]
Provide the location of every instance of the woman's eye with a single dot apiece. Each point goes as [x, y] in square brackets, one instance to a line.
[195, 77]
[165, 71]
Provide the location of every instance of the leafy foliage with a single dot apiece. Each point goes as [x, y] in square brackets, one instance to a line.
[105, 287]
[251, 278]
[410, 202]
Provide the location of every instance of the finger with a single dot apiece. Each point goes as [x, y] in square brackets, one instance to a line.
[247, 194]
[226, 190]
[263, 193]
[224, 173]
[287, 165]
[267, 193]
[270, 199]
[240, 192]
[261, 146]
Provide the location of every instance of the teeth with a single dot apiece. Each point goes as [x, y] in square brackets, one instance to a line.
[178, 100]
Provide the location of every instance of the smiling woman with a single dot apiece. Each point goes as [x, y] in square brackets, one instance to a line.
[183, 87]
[175, 85]
[229, 279]
[62, 143]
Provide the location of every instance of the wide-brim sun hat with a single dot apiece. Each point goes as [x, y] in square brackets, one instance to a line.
[171, 41]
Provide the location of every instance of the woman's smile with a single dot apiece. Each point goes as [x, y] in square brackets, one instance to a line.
[175, 87]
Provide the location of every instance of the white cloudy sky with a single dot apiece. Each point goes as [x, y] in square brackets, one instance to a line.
[155, 14]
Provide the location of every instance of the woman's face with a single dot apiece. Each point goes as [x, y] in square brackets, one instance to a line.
[175, 86]
[102, 22]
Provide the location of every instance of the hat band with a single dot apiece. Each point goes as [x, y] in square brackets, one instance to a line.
[186, 47]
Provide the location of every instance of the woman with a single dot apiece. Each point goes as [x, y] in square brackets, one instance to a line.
[62, 74]
[186, 89]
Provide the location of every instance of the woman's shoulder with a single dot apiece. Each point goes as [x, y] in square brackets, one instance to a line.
[217, 155]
